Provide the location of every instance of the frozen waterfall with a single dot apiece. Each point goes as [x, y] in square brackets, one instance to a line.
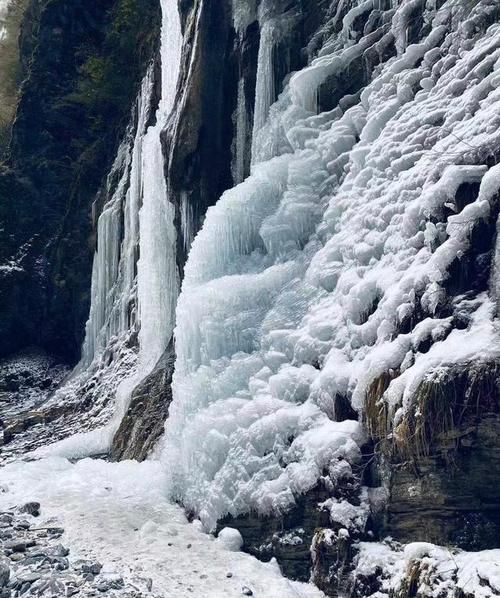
[303, 280]
[134, 280]
[141, 198]
[157, 269]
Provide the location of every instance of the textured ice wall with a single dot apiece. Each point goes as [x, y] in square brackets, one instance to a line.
[304, 277]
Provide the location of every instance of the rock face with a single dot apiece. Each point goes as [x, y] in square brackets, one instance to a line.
[444, 484]
[82, 64]
[143, 423]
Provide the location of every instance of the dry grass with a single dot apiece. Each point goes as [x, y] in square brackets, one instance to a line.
[448, 405]
[376, 412]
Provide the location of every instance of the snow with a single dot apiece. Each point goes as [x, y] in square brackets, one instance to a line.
[230, 538]
[297, 287]
[117, 513]
[442, 572]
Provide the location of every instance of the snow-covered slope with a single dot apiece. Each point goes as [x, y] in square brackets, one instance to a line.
[330, 265]
[117, 513]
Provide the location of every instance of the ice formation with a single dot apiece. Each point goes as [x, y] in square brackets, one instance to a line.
[329, 265]
[440, 571]
[134, 280]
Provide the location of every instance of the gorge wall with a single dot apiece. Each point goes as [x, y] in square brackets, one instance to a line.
[294, 294]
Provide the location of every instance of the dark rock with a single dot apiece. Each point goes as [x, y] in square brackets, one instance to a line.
[32, 508]
[444, 482]
[55, 531]
[4, 574]
[246, 591]
[90, 567]
[143, 424]
[15, 545]
[63, 142]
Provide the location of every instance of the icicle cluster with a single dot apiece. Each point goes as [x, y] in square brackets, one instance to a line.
[135, 281]
[330, 264]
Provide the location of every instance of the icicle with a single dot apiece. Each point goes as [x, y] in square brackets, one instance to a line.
[265, 91]
[187, 224]
[244, 13]
[241, 149]
[113, 272]
[157, 270]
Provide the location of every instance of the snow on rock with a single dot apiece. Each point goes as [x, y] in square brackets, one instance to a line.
[329, 266]
[230, 538]
[117, 513]
[437, 570]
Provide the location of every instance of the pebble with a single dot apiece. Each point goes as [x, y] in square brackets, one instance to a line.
[15, 546]
[246, 591]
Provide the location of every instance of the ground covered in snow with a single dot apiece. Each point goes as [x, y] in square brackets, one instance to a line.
[117, 514]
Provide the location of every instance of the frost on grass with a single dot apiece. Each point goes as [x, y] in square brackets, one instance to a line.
[348, 260]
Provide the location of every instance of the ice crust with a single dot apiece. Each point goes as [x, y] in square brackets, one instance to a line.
[297, 286]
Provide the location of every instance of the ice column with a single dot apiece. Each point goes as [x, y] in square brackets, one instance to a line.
[157, 270]
[141, 259]
[265, 88]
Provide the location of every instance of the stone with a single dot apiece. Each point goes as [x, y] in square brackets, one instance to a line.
[89, 567]
[143, 423]
[246, 591]
[15, 546]
[32, 508]
[4, 574]
[55, 531]
[29, 578]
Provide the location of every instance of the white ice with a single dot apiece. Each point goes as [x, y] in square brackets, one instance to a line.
[297, 285]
